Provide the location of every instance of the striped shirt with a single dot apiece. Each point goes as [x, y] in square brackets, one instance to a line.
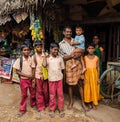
[65, 48]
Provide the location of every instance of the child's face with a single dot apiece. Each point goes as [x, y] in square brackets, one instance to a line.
[79, 31]
[54, 51]
[91, 50]
[26, 51]
[38, 48]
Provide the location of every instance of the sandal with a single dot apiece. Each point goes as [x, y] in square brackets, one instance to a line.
[52, 114]
[41, 114]
[34, 107]
[61, 114]
[20, 114]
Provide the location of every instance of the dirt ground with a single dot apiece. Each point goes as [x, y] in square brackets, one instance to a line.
[9, 104]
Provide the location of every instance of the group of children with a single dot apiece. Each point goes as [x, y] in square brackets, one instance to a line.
[44, 92]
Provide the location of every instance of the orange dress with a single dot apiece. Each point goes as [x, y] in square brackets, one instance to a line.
[91, 86]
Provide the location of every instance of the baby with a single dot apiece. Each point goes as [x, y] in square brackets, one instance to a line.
[79, 44]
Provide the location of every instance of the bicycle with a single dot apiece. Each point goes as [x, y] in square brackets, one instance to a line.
[110, 82]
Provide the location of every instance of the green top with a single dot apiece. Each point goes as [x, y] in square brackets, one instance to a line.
[97, 52]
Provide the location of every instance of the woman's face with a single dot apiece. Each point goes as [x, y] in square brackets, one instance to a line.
[95, 40]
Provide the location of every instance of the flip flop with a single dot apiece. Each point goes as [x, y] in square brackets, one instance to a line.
[52, 114]
[61, 114]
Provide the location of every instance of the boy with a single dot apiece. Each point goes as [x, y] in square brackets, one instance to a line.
[79, 43]
[42, 95]
[26, 73]
[55, 66]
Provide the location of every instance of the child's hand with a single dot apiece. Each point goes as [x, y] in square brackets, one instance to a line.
[43, 54]
[33, 83]
[98, 81]
[71, 43]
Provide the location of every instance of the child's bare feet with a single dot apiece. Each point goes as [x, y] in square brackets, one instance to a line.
[85, 107]
[90, 106]
[73, 66]
[94, 107]
[70, 105]
[84, 69]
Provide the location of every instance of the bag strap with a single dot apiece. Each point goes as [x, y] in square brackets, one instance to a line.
[21, 62]
[34, 56]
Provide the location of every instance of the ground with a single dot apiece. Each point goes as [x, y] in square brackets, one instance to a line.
[9, 104]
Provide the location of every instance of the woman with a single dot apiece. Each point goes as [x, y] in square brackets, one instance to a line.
[98, 50]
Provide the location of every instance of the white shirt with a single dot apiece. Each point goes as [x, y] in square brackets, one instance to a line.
[55, 66]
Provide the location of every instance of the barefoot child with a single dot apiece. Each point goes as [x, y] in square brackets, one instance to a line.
[79, 43]
[25, 71]
[55, 66]
[92, 81]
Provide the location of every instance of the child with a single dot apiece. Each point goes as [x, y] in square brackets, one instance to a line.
[55, 66]
[42, 95]
[26, 75]
[79, 43]
[92, 81]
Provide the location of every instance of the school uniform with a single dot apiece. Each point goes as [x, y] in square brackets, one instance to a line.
[42, 95]
[55, 66]
[26, 83]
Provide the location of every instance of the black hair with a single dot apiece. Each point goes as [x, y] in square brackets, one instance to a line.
[54, 44]
[97, 36]
[24, 46]
[27, 42]
[37, 42]
[79, 26]
[90, 44]
[67, 27]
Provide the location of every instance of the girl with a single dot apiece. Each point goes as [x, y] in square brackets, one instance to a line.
[92, 81]
[55, 65]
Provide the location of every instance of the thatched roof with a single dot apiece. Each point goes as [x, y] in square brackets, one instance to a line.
[77, 10]
[10, 6]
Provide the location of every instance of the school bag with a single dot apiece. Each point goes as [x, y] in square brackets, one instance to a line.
[44, 69]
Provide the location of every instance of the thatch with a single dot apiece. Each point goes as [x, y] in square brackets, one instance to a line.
[7, 6]
[10, 6]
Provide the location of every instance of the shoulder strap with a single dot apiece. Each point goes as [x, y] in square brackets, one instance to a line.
[34, 56]
[21, 62]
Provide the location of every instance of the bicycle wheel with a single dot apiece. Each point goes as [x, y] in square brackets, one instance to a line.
[110, 82]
